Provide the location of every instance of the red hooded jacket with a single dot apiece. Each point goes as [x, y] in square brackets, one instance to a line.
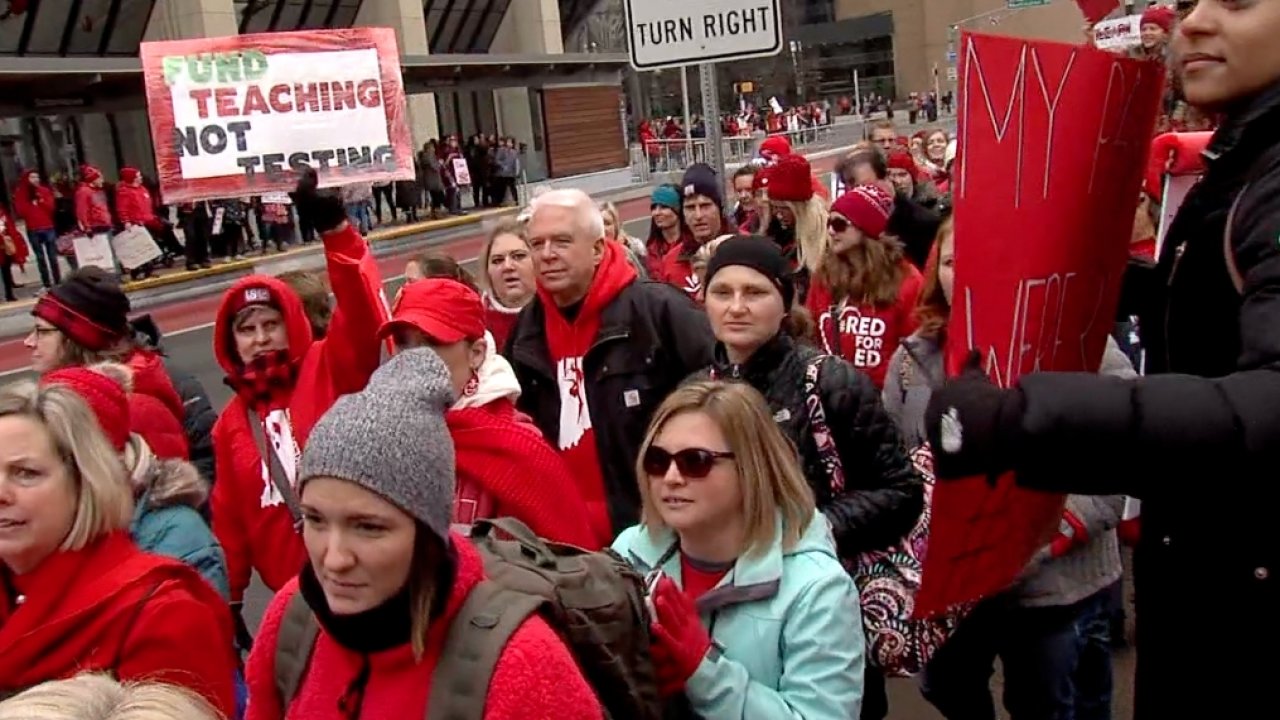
[113, 608]
[677, 268]
[155, 407]
[133, 205]
[255, 531]
[35, 205]
[92, 211]
[10, 230]
[536, 677]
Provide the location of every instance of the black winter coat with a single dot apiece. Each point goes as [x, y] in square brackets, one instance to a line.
[198, 420]
[883, 495]
[1198, 442]
[651, 338]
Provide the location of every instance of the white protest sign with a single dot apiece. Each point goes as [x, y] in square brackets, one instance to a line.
[1119, 34]
[671, 33]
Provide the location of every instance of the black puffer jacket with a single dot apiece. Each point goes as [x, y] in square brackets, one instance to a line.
[883, 495]
[1198, 440]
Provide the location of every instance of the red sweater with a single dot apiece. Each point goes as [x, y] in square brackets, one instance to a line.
[113, 608]
[678, 270]
[499, 321]
[866, 335]
[536, 677]
[257, 535]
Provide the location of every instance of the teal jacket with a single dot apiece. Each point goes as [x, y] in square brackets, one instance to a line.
[166, 521]
[786, 630]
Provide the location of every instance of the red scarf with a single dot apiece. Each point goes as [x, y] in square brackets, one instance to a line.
[568, 343]
[266, 382]
[504, 462]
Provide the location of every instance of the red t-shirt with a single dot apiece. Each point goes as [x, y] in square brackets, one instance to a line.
[697, 581]
[866, 335]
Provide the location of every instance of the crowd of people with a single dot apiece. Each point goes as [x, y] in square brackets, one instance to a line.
[747, 408]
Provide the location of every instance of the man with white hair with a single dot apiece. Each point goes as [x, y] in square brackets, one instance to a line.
[596, 352]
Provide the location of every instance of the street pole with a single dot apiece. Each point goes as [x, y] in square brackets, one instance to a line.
[857, 95]
[688, 124]
[711, 119]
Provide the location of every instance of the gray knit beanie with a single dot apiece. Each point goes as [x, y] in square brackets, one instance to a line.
[391, 439]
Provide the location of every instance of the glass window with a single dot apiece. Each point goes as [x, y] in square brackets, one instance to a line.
[489, 25]
[131, 25]
[51, 18]
[86, 38]
[257, 16]
[290, 16]
[346, 14]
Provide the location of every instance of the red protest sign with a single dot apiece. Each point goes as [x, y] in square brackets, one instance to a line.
[1053, 140]
[1095, 10]
[242, 115]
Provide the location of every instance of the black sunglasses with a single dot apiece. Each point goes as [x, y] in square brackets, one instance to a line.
[838, 224]
[693, 463]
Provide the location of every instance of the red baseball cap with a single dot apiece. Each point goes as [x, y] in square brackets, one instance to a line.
[445, 310]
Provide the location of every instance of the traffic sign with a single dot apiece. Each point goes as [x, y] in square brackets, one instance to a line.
[672, 33]
[951, 56]
[1018, 4]
[952, 74]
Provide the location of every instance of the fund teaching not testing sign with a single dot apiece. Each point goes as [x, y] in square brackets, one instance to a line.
[244, 115]
[671, 33]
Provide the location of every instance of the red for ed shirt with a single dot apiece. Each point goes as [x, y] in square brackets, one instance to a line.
[867, 335]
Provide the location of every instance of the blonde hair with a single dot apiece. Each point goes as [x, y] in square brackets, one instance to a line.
[104, 498]
[98, 697]
[768, 469]
[812, 240]
[608, 208]
[703, 254]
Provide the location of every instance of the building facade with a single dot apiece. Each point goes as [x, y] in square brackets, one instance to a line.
[86, 106]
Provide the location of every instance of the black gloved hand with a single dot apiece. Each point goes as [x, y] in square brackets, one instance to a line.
[243, 638]
[324, 207]
[974, 427]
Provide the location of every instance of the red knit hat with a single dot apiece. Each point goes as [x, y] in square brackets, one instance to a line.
[89, 173]
[791, 180]
[775, 147]
[760, 181]
[868, 207]
[129, 174]
[902, 160]
[1161, 16]
[105, 396]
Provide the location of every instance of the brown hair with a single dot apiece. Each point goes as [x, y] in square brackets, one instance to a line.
[768, 468]
[312, 286]
[439, 265]
[933, 310]
[871, 272]
[429, 563]
[506, 226]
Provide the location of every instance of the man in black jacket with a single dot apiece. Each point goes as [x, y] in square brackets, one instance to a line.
[1199, 439]
[913, 224]
[597, 351]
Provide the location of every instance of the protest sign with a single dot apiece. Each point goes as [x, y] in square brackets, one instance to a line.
[1053, 141]
[134, 247]
[243, 115]
[1120, 34]
[94, 251]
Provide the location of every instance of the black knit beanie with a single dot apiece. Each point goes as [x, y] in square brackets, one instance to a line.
[760, 254]
[700, 179]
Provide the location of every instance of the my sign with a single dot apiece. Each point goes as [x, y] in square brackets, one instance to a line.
[245, 114]
[1053, 137]
[672, 33]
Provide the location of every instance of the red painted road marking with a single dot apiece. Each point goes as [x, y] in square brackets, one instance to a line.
[185, 315]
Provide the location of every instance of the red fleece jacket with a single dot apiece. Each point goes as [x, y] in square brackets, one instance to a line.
[536, 677]
[262, 538]
[133, 205]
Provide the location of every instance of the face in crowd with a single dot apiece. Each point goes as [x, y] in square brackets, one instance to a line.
[702, 215]
[885, 138]
[259, 330]
[745, 308]
[46, 344]
[693, 479]
[664, 217]
[1226, 50]
[947, 264]
[510, 269]
[742, 190]
[935, 147]
[566, 237]
[845, 236]
[902, 181]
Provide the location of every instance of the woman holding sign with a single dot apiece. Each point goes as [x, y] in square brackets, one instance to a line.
[1207, 411]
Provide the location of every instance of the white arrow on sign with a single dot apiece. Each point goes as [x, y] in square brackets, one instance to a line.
[672, 33]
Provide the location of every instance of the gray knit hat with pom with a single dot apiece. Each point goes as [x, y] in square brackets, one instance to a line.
[391, 439]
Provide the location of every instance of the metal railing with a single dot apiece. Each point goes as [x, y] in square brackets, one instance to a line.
[673, 156]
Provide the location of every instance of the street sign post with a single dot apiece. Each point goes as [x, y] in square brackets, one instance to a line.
[670, 33]
[675, 33]
[1019, 4]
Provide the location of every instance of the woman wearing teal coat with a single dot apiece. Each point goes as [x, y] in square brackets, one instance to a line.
[752, 614]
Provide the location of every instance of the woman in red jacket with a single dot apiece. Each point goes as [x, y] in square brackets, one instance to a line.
[284, 380]
[93, 213]
[865, 290]
[34, 203]
[505, 466]
[13, 251]
[136, 206]
[386, 578]
[75, 593]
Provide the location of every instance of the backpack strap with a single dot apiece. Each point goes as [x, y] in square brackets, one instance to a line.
[477, 636]
[275, 470]
[294, 644]
[822, 438]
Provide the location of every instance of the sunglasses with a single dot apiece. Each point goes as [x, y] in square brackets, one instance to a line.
[693, 463]
[838, 224]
